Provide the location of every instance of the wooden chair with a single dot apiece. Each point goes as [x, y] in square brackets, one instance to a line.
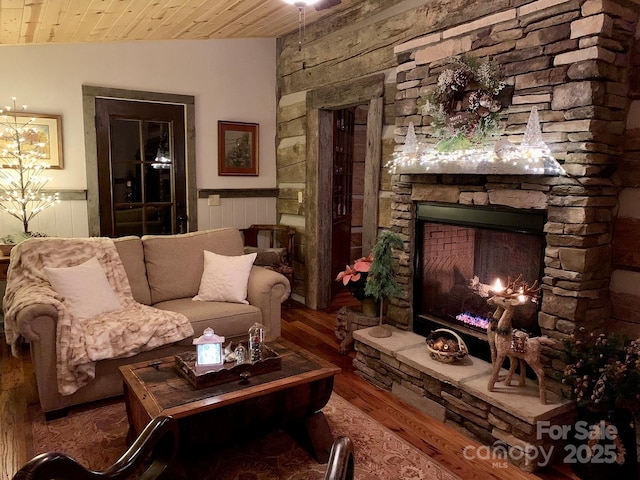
[341, 462]
[274, 245]
[157, 444]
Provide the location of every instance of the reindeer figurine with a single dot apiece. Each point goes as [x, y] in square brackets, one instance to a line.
[515, 344]
[507, 292]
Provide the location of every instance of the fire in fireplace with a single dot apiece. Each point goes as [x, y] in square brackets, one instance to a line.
[461, 251]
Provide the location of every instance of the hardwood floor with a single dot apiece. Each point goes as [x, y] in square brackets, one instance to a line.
[312, 330]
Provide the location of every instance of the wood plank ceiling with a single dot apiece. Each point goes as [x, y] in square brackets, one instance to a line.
[82, 21]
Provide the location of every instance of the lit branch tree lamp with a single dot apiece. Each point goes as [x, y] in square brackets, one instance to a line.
[21, 169]
[380, 281]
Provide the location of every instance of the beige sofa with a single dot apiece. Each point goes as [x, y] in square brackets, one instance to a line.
[164, 272]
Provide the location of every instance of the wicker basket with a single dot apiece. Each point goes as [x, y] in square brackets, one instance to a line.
[446, 356]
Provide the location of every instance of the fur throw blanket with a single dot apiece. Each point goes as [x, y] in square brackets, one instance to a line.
[81, 343]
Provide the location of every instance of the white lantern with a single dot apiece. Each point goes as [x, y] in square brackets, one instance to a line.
[209, 350]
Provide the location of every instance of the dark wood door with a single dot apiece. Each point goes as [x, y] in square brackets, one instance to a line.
[343, 128]
[141, 167]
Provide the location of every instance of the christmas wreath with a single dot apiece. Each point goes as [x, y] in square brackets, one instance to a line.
[463, 104]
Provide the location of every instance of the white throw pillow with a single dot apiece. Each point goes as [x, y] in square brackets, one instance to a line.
[225, 278]
[85, 289]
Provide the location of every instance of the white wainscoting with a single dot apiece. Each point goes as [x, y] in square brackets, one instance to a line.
[65, 219]
[236, 212]
[69, 218]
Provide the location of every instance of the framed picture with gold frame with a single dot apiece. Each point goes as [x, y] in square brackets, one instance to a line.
[237, 148]
[44, 129]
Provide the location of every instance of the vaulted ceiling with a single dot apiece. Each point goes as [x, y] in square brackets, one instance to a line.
[81, 21]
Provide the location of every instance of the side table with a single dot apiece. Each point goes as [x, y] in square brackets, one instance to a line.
[348, 321]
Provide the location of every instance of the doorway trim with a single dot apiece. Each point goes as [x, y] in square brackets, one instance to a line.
[89, 95]
[320, 102]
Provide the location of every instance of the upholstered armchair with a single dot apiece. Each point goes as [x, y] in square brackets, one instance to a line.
[274, 245]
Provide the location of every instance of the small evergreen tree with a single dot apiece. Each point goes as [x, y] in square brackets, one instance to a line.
[380, 281]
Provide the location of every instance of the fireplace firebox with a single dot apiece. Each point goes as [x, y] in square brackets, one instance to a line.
[460, 252]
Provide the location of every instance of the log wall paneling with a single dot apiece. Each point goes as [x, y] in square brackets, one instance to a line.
[373, 161]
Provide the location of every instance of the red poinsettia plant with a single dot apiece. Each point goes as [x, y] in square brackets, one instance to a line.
[354, 277]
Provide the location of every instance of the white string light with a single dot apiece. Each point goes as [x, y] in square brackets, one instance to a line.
[531, 157]
[21, 178]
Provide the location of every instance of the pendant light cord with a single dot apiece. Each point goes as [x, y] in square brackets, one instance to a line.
[301, 25]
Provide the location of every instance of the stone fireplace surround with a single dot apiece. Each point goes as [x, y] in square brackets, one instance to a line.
[574, 292]
[570, 59]
[576, 274]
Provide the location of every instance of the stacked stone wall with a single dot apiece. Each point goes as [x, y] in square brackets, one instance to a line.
[569, 59]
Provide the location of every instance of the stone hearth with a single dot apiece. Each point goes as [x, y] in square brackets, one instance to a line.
[506, 419]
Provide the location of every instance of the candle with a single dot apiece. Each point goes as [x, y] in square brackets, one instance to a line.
[497, 286]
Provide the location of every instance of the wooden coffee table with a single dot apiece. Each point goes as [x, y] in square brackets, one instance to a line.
[291, 398]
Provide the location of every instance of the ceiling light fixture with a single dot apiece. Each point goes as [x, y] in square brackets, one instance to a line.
[301, 4]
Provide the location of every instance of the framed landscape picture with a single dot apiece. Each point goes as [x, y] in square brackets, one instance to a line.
[237, 148]
[44, 129]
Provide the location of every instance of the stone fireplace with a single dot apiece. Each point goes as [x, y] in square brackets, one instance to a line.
[576, 238]
[566, 58]
[577, 62]
[575, 234]
[571, 60]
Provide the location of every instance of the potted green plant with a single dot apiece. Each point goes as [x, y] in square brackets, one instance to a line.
[381, 283]
[603, 374]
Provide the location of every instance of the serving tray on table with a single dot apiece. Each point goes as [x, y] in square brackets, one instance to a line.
[186, 365]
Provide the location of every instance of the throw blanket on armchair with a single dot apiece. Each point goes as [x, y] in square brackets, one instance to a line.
[80, 344]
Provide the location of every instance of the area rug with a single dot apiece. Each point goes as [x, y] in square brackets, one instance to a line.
[96, 438]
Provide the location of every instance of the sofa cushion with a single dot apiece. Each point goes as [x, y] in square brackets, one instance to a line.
[85, 290]
[175, 262]
[230, 320]
[132, 256]
[225, 278]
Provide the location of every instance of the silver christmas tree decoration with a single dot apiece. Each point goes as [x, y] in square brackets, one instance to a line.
[410, 142]
[533, 133]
